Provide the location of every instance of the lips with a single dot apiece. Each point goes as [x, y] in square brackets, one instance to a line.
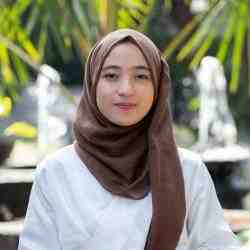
[125, 106]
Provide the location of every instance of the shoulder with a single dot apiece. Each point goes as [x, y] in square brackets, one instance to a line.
[62, 174]
[56, 166]
[190, 161]
[197, 179]
[59, 157]
[195, 172]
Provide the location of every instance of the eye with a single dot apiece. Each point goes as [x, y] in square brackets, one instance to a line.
[110, 76]
[142, 77]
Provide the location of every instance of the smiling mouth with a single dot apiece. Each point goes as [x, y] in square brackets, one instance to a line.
[125, 106]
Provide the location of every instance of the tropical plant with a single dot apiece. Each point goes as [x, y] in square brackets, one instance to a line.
[34, 28]
[19, 129]
[227, 21]
[13, 35]
[74, 26]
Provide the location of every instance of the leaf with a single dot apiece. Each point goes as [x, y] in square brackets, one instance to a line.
[82, 19]
[208, 41]
[107, 13]
[33, 18]
[168, 4]
[234, 35]
[5, 106]
[228, 34]
[43, 37]
[103, 15]
[21, 70]
[20, 7]
[125, 20]
[135, 14]
[248, 58]
[194, 104]
[5, 65]
[239, 36]
[28, 46]
[21, 129]
[181, 36]
[56, 24]
[112, 15]
[83, 45]
[201, 33]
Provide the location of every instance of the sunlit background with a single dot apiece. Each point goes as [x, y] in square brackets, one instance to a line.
[43, 48]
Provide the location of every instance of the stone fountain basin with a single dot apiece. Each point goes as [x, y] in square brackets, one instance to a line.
[232, 153]
[228, 167]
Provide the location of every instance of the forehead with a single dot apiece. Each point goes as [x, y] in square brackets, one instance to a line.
[125, 54]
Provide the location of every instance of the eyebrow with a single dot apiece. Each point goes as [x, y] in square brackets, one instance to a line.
[118, 67]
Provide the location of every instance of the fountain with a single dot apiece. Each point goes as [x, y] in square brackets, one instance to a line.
[217, 134]
[54, 130]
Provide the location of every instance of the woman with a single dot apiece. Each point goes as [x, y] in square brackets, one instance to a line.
[124, 184]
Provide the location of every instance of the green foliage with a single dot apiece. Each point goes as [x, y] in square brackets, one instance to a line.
[18, 129]
[226, 24]
[185, 137]
[13, 73]
[194, 104]
[74, 26]
[244, 236]
[21, 129]
[30, 28]
[5, 106]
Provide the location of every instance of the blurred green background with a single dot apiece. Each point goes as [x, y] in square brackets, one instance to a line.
[61, 33]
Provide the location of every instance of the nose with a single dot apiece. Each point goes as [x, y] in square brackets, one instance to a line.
[125, 87]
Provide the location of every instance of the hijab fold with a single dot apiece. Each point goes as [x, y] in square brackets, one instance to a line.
[135, 160]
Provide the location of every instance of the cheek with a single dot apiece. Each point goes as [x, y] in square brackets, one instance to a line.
[149, 104]
[149, 96]
[102, 96]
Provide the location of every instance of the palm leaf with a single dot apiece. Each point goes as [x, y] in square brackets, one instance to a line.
[32, 19]
[207, 42]
[201, 32]
[82, 19]
[5, 66]
[239, 36]
[29, 27]
[226, 21]
[107, 15]
[13, 33]
[248, 57]
[228, 34]
[135, 14]
[181, 36]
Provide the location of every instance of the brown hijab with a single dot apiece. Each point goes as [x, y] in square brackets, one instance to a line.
[135, 160]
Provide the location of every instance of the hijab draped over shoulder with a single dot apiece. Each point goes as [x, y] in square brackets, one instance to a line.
[134, 160]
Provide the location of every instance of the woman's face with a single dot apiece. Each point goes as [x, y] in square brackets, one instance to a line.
[125, 91]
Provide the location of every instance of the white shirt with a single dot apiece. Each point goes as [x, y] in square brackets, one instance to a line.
[70, 210]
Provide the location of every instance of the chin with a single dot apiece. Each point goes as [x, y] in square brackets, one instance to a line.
[126, 123]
